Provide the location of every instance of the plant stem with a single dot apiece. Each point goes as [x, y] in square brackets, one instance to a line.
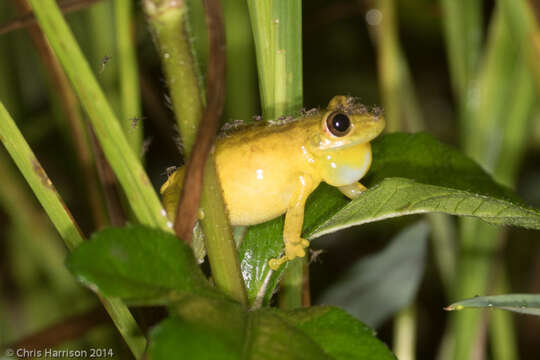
[503, 104]
[28, 19]
[68, 101]
[277, 30]
[524, 27]
[290, 297]
[405, 333]
[62, 219]
[463, 31]
[220, 245]
[169, 22]
[502, 329]
[136, 185]
[401, 106]
[130, 98]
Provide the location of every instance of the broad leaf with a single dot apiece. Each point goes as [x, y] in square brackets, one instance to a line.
[381, 284]
[414, 173]
[265, 241]
[520, 303]
[205, 328]
[137, 263]
[339, 334]
[410, 174]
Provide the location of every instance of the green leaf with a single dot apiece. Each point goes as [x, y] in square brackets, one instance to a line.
[339, 334]
[381, 284]
[137, 263]
[414, 173]
[520, 303]
[410, 174]
[265, 241]
[205, 328]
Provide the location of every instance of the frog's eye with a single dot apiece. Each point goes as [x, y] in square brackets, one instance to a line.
[338, 123]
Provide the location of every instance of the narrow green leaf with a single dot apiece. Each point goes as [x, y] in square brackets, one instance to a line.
[39, 181]
[137, 263]
[62, 219]
[127, 167]
[520, 303]
[219, 329]
[381, 284]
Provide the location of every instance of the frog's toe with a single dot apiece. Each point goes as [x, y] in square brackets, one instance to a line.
[294, 251]
[276, 263]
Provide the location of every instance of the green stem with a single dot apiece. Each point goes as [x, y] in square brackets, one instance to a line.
[524, 27]
[463, 32]
[220, 245]
[405, 333]
[503, 329]
[60, 86]
[168, 20]
[169, 23]
[130, 98]
[400, 103]
[277, 30]
[290, 297]
[134, 180]
[62, 219]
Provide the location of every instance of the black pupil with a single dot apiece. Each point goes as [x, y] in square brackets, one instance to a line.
[341, 123]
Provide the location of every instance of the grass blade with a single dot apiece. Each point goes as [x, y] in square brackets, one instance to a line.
[137, 187]
[63, 221]
[520, 303]
[128, 73]
[277, 30]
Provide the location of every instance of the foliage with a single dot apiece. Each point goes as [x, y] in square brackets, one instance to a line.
[139, 261]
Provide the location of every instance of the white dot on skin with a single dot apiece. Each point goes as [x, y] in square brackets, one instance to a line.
[163, 212]
[333, 165]
[374, 17]
[259, 174]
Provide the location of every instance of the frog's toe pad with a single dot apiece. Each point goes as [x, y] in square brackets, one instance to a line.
[276, 263]
[293, 251]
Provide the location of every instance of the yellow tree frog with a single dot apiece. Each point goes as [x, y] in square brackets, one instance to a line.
[269, 169]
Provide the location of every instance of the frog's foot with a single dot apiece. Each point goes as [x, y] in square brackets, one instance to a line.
[292, 251]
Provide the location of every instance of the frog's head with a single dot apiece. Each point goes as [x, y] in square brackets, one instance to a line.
[341, 147]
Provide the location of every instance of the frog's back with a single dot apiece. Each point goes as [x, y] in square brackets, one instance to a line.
[260, 165]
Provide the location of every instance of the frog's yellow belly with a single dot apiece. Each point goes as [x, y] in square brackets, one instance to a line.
[258, 187]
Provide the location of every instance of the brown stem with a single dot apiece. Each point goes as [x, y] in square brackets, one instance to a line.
[69, 329]
[188, 206]
[28, 18]
[109, 184]
[70, 107]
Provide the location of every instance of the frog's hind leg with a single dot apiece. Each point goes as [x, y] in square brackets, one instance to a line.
[294, 219]
[171, 190]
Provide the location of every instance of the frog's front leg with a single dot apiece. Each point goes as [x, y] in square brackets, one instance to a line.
[294, 219]
[353, 190]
